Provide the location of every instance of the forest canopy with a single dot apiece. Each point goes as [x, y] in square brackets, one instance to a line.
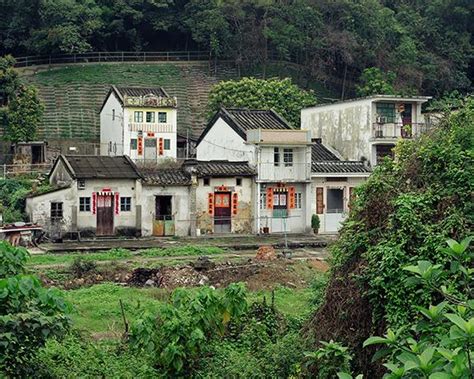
[427, 45]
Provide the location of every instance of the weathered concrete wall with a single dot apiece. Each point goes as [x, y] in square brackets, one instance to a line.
[326, 183]
[180, 205]
[243, 221]
[222, 142]
[346, 127]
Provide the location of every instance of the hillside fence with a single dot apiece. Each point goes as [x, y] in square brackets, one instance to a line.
[119, 56]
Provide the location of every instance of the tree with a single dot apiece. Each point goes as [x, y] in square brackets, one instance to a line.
[281, 95]
[374, 81]
[29, 314]
[9, 81]
[25, 112]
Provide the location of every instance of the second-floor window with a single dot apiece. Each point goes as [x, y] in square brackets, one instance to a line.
[113, 114]
[138, 116]
[150, 116]
[288, 157]
[161, 116]
[386, 111]
[276, 156]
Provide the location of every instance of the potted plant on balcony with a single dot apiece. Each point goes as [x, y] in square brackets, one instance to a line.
[315, 223]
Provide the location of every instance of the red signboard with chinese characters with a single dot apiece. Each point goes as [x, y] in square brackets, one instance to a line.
[140, 146]
[160, 146]
[291, 196]
[117, 203]
[270, 198]
[210, 204]
[235, 199]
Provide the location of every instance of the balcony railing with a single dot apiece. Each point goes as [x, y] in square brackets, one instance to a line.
[284, 172]
[156, 127]
[397, 130]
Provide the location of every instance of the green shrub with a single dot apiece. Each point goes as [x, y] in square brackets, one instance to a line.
[80, 267]
[12, 259]
[315, 222]
[74, 357]
[328, 360]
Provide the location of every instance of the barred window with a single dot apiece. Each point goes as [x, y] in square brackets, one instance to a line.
[125, 204]
[150, 116]
[84, 204]
[162, 116]
[288, 157]
[138, 116]
[56, 211]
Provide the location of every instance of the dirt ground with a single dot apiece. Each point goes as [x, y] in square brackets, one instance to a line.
[257, 274]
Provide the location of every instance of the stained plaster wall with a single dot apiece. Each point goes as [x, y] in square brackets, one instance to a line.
[243, 221]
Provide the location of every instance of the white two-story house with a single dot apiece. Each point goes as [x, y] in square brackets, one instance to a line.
[366, 128]
[139, 122]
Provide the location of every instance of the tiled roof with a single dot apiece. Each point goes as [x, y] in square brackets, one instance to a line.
[167, 177]
[336, 167]
[141, 91]
[242, 120]
[103, 167]
[221, 168]
[319, 152]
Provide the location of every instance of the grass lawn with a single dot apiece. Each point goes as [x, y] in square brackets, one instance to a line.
[97, 308]
[123, 254]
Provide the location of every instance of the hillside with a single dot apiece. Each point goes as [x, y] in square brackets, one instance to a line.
[73, 95]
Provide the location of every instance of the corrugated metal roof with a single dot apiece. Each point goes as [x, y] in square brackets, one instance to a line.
[336, 167]
[142, 91]
[167, 177]
[104, 167]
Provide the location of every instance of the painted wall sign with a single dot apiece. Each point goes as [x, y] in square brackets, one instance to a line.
[94, 203]
[117, 203]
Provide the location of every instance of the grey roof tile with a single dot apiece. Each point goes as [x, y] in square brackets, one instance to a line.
[319, 152]
[104, 167]
[221, 168]
[167, 177]
[336, 167]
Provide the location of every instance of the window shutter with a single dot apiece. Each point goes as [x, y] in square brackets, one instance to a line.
[140, 145]
[292, 197]
[160, 146]
[270, 198]
[319, 200]
[235, 199]
[210, 204]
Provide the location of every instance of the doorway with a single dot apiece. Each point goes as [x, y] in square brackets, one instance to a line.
[334, 209]
[222, 213]
[150, 149]
[163, 224]
[280, 212]
[37, 154]
[105, 215]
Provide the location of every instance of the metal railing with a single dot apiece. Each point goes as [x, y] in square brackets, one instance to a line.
[119, 56]
[156, 127]
[19, 169]
[397, 130]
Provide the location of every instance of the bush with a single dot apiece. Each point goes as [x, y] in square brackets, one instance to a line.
[328, 360]
[315, 222]
[12, 259]
[80, 267]
[29, 314]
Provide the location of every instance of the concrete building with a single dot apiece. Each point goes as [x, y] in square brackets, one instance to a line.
[139, 122]
[366, 128]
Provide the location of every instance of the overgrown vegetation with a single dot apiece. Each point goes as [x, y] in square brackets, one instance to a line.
[403, 214]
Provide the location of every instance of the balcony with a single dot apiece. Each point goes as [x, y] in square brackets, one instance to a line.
[298, 172]
[157, 127]
[397, 130]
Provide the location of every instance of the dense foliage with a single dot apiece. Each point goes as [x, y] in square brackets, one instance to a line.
[402, 215]
[282, 96]
[29, 314]
[428, 45]
[22, 109]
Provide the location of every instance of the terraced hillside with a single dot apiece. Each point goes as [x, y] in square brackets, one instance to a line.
[73, 95]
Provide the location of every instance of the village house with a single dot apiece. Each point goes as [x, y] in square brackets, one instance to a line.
[139, 122]
[92, 195]
[366, 128]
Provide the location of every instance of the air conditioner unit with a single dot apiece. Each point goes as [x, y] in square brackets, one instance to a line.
[381, 120]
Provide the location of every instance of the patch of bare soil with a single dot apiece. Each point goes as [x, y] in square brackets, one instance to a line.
[257, 274]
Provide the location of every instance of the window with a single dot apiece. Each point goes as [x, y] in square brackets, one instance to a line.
[150, 116]
[110, 146]
[161, 116]
[56, 211]
[276, 156]
[113, 114]
[386, 110]
[81, 184]
[238, 181]
[263, 200]
[125, 204]
[138, 116]
[133, 144]
[84, 204]
[288, 157]
[207, 181]
[298, 200]
[166, 144]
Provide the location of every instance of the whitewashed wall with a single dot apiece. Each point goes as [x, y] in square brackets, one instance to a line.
[179, 203]
[223, 143]
[111, 128]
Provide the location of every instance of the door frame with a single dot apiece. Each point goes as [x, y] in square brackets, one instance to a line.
[224, 221]
[104, 195]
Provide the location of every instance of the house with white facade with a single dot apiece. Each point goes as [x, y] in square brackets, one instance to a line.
[139, 122]
[366, 128]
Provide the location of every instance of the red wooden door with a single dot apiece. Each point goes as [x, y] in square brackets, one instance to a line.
[222, 212]
[105, 215]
